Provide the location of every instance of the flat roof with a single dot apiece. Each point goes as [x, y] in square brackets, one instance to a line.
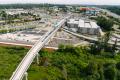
[81, 23]
[73, 21]
[87, 24]
[94, 25]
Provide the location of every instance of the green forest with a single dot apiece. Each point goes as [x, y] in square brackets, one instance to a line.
[114, 9]
[77, 63]
[15, 6]
[28, 6]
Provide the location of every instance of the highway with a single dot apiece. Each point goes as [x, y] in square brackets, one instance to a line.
[18, 74]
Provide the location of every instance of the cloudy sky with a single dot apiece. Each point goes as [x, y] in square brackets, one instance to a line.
[98, 2]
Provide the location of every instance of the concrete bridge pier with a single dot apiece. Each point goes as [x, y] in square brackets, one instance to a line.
[25, 76]
[37, 58]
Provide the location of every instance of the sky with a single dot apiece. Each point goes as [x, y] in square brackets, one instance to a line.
[90, 2]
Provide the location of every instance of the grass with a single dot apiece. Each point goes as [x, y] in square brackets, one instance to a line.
[10, 57]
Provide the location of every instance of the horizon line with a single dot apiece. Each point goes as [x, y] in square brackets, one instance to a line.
[62, 4]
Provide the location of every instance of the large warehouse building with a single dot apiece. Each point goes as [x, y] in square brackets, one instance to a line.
[84, 26]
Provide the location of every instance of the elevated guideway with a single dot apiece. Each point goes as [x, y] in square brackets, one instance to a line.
[18, 74]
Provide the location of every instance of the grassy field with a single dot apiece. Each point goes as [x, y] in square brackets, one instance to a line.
[10, 57]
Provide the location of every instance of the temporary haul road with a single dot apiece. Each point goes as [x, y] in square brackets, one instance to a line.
[19, 73]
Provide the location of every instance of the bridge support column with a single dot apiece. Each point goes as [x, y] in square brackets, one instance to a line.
[47, 42]
[26, 76]
[37, 58]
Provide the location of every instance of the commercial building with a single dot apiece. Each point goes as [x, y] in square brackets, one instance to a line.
[84, 26]
[90, 11]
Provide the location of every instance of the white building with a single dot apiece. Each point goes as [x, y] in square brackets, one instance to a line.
[15, 11]
[84, 26]
[88, 27]
[72, 23]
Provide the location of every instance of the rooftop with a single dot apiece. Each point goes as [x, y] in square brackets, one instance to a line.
[87, 24]
[73, 21]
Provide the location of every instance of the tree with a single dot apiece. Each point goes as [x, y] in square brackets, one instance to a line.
[91, 69]
[106, 38]
[104, 23]
[101, 72]
[64, 71]
[10, 18]
[118, 65]
[4, 15]
[114, 46]
[61, 47]
[102, 44]
[110, 72]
